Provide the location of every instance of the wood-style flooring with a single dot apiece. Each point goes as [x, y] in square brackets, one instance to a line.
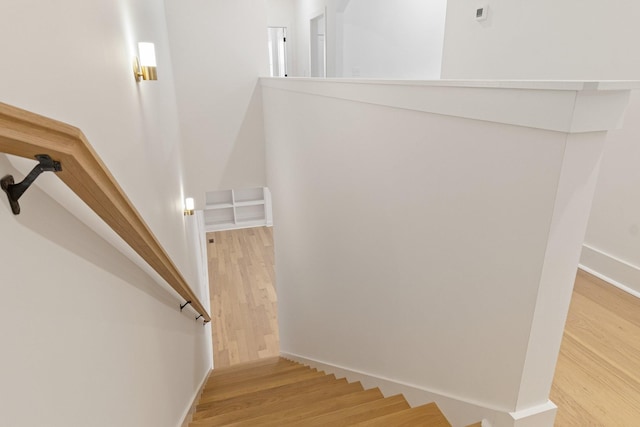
[597, 380]
[243, 296]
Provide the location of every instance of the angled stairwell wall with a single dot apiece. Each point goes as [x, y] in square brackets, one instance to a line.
[87, 332]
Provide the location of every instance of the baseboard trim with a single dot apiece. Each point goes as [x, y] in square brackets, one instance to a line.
[458, 411]
[542, 415]
[611, 269]
[196, 398]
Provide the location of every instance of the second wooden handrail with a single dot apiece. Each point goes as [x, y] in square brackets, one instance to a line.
[26, 134]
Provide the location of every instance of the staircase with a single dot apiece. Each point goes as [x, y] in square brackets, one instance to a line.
[279, 392]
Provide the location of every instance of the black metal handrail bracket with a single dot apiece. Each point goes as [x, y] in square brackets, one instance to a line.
[15, 191]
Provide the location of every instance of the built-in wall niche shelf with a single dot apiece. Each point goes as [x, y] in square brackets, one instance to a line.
[244, 208]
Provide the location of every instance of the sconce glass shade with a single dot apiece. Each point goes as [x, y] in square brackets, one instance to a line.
[189, 206]
[147, 53]
[145, 64]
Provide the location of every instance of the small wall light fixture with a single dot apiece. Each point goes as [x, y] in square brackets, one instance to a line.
[189, 206]
[144, 65]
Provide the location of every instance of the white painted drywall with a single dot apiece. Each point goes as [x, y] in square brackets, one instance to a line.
[547, 39]
[567, 40]
[612, 244]
[85, 332]
[429, 250]
[219, 48]
[75, 65]
[380, 38]
[280, 13]
[400, 39]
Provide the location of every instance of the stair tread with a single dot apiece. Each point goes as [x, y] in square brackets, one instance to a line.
[259, 384]
[252, 364]
[425, 415]
[339, 388]
[221, 383]
[249, 368]
[313, 409]
[262, 397]
[475, 425]
[355, 414]
[277, 392]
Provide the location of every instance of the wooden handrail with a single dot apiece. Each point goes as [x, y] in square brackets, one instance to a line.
[26, 134]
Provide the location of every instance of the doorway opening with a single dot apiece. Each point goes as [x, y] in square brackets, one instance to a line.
[277, 41]
[244, 304]
[317, 46]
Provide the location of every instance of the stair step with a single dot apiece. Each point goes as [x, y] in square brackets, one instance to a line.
[252, 368]
[250, 365]
[259, 384]
[264, 399]
[220, 383]
[426, 415]
[261, 397]
[355, 414]
[336, 389]
[312, 409]
[277, 392]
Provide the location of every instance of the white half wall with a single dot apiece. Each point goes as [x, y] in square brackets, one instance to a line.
[219, 48]
[87, 332]
[427, 242]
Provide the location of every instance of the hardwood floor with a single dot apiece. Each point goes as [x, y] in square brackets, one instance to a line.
[597, 380]
[243, 296]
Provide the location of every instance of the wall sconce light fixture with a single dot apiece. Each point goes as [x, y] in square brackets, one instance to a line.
[144, 65]
[189, 206]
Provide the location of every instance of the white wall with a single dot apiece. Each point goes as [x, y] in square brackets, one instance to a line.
[76, 66]
[381, 38]
[86, 333]
[612, 244]
[547, 39]
[567, 40]
[280, 13]
[219, 48]
[393, 39]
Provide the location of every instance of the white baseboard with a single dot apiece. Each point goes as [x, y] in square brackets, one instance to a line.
[607, 267]
[228, 227]
[458, 411]
[188, 417]
[543, 415]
